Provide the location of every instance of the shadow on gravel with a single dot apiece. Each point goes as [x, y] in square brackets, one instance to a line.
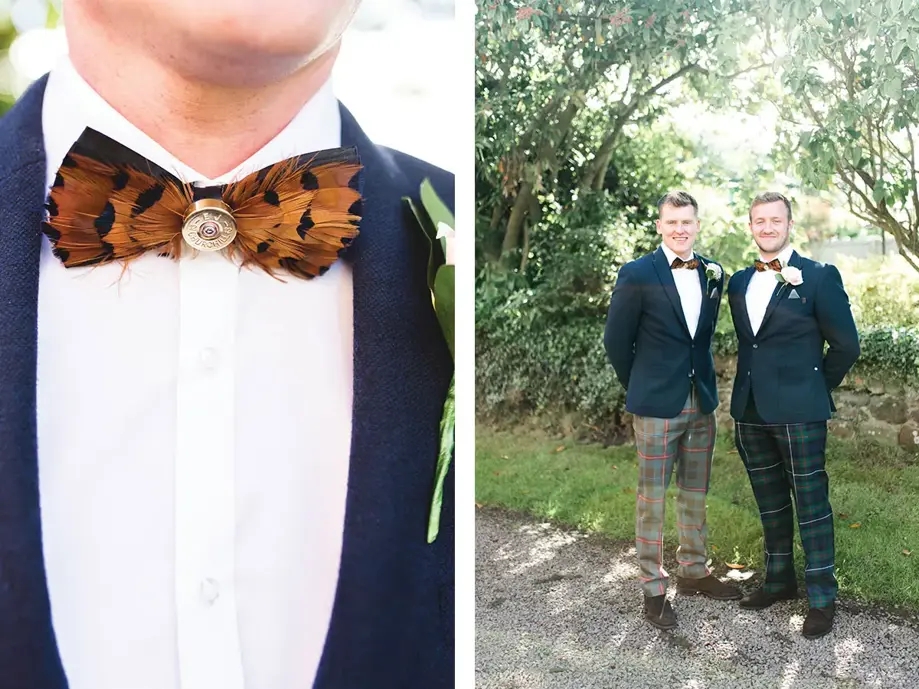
[558, 609]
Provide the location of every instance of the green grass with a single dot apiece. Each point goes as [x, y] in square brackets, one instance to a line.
[593, 489]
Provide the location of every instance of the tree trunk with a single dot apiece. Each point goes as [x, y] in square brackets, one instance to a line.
[515, 222]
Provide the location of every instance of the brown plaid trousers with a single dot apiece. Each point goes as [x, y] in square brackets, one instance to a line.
[687, 441]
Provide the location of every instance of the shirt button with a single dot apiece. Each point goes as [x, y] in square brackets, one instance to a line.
[816, 369]
[755, 346]
[208, 358]
[210, 591]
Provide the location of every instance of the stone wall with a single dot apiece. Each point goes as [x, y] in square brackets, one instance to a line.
[887, 411]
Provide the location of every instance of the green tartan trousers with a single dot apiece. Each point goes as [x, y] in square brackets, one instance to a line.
[785, 462]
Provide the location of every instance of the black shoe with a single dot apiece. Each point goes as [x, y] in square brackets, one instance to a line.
[659, 612]
[819, 621]
[760, 599]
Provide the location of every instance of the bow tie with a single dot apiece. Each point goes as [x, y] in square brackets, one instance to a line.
[775, 264]
[110, 204]
[678, 262]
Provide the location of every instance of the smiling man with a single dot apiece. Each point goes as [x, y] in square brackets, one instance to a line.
[785, 308]
[221, 375]
[659, 330]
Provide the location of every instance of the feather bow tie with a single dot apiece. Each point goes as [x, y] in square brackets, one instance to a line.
[110, 204]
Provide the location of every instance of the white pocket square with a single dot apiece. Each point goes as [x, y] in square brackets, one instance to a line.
[794, 294]
[714, 293]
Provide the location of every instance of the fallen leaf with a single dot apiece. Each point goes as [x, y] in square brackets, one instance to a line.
[615, 467]
[907, 552]
[856, 525]
[735, 566]
[714, 547]
[560, 448]
[628, 490]
[497, 473]
[478, 505]
[504, 457]
[843, 515]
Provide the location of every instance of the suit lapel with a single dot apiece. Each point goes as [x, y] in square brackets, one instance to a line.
[28, 654]
[779, 292]
[741, 302]
[707, 309]
[665, 275]
[401, 377]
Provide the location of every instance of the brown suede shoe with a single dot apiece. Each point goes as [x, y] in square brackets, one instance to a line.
[708, 586]
[759, 599]
[659, 612]
[819, 621]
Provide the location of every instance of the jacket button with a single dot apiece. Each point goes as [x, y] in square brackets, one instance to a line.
[756, 346]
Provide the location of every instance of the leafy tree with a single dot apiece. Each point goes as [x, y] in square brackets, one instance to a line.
[851, 105]
[558, 86]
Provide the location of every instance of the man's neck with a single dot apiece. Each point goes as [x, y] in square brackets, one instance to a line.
[210, 127]
[766, 257]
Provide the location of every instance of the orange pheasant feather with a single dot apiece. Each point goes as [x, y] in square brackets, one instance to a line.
[110, 204]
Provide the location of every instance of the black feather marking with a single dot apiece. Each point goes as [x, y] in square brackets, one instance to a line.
[62, 254]
[68, 161]
[52, 207]
[308, 181]
[306, 224]
[121, 179]
[105, 220]
[58, 180]
[271, 196]
[323, 270]
[262, 247]
[357, 208]
[346, 241]
[147, 199]
[51, 233]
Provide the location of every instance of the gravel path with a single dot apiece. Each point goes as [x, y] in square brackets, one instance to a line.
[557, 609]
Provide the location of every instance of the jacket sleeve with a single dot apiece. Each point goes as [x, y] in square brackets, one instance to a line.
[622, 323]
[834, 317]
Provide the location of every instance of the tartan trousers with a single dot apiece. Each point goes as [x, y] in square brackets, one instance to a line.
[783, 462]
[687, 441]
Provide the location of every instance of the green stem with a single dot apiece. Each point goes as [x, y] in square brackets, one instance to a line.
[447, 439]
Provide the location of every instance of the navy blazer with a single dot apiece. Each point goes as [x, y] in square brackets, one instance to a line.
[392, 621]
[784, 362]
[648, 343]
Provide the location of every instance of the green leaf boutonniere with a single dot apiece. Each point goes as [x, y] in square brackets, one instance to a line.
[437, 225]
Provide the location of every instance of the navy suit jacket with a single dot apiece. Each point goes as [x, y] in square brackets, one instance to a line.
[392, 621]
[784, 362]
[648, 342]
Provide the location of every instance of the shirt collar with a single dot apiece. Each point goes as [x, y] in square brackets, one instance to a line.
[784, 257]
[71, 105]
[671, 256]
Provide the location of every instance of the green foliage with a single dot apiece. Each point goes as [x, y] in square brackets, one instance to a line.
[850, 74]
[537, 355]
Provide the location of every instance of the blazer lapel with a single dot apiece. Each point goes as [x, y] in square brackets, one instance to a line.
[665, 275]
[28, 654]
[741, 301]
[707, 309]
[401, 377]
[779, 291]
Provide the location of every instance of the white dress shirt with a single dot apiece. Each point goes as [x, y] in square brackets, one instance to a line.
[194, 430]
[690, 290]
[760, 289]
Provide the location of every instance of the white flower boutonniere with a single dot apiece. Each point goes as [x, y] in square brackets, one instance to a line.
[791, 275]
[713, 271]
